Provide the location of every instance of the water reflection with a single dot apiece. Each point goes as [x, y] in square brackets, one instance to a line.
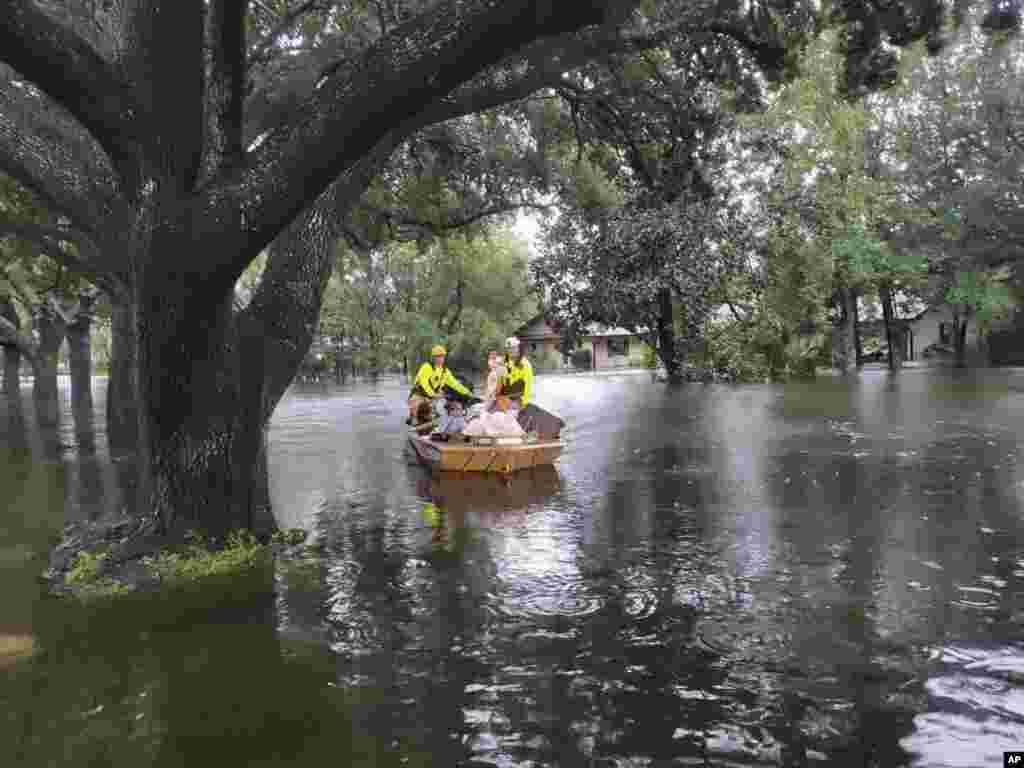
[826, 573]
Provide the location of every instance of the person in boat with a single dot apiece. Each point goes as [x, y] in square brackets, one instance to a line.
[495, 373]
[517, 382]
[517, 390]
[431, 381]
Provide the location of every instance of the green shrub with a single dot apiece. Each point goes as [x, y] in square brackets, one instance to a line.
[730, 352]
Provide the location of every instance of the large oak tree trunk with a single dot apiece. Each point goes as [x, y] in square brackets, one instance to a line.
[202, 405]
[843, 346]
[210, 380]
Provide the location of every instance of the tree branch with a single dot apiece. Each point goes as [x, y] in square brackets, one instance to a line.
[73, 74]
[462, 219]
[85, 259]
[49, 153]
[10, 335]
[225, 83]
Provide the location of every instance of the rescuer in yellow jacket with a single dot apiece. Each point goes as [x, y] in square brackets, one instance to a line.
[517, 383]
[431, 381]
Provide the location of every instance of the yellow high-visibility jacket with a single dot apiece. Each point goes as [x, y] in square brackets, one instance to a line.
[430, 381]
[518, 380]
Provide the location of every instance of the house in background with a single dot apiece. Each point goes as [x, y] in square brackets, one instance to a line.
[610, 347]
[928, 336]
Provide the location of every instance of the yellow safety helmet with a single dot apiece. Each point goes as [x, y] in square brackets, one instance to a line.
[438, 350]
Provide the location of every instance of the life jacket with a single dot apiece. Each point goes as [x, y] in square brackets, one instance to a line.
[513, 383]
[435, 380]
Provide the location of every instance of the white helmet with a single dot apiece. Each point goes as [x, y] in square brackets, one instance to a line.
[511, 343]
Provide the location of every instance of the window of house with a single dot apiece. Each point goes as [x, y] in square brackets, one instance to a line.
[944, 333]
[618, 346]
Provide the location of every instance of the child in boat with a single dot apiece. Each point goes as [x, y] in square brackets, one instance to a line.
[454, 420]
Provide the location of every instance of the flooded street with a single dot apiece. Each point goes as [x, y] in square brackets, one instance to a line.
[826, 573]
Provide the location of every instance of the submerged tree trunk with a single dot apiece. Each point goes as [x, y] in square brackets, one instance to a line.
[122, 385]
[11, 353]
[667, 337]
[80, 364]
[843, 344]
[885, 293]
[80, 350]
[960, 322]
[201, 412]
[52, 330]
[858, 344]
[12, 370]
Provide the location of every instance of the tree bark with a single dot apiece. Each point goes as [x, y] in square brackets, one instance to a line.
[843, 345]
[202, 398]
[667, 337]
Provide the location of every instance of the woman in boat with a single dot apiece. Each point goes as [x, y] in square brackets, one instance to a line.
[495, 372]
[431, 381]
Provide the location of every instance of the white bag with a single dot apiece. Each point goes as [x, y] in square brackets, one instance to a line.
[497, 424]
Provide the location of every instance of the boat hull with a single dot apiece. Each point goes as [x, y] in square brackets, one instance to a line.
[463, 457]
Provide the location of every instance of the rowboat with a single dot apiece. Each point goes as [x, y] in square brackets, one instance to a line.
[484, 454]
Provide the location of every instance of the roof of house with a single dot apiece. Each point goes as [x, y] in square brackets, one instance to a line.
[540, 328]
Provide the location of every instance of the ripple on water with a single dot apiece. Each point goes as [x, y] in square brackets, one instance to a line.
[976, 708]
[548, 597]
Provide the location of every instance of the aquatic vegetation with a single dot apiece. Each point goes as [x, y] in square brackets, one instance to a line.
[200, 559]
[85, 577]
[85, 567]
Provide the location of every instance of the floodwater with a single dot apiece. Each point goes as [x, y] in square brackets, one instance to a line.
[826, 573]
